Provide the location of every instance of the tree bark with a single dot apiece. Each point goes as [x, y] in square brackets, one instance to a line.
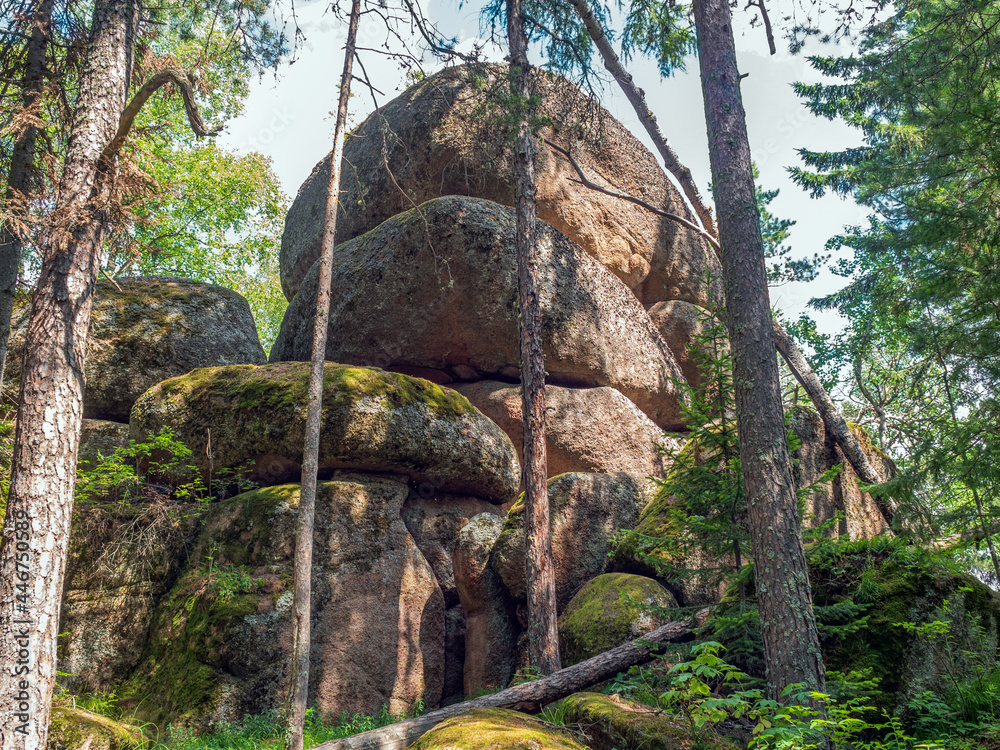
[37, 522]
[528, 696]
[791, 642]
[301, 604]
[637, 97]
[543, 634]
[19, 176]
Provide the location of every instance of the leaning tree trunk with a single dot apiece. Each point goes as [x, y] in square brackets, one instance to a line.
[791, 641]
[543, 634]
[19, 177]
[37, 522]
[531, 695]
[301, 604]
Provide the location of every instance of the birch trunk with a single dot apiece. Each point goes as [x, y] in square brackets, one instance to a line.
[37, 522]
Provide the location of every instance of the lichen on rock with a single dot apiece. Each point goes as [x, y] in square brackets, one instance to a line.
[372, 421]
[497, 729]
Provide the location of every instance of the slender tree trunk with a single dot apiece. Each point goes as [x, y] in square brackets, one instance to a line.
[791, 641]
[19, 177]
[301, 604]
[37, 522]
[543, 634]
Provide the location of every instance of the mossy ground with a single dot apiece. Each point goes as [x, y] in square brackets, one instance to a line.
[75, 728]
[497, 729]
[612, 723]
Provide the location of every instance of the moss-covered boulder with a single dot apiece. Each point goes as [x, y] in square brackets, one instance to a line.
[608, 611]
[613, 723]
[122, 560]
[220, 644]
[497, 729]
[76, 729]
[663, 548]
[144, 330]
[372, 421]
[586, 511]
[433, 292]
[441, 137]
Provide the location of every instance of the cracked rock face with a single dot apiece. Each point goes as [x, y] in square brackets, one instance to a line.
[441, 137]
[433, 292]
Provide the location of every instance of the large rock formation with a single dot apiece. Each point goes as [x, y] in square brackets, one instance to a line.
[442, 137]
[595, 430]
[372, 420]
[220, 644]
[144, 330]
[433, 292]
[586, 511]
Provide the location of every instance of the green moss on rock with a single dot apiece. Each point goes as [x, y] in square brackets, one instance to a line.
[608, 611]
[496, 729]
[372, 421]
[77, 729]
[612, 723]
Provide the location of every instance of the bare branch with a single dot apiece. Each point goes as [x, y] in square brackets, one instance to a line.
[185, 82]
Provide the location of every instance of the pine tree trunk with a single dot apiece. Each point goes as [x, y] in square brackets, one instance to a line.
[19, 176]
[543, 634]
[791, 642]
[37, 522]
[301, 603]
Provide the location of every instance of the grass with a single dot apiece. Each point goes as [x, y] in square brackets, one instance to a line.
[262, 732]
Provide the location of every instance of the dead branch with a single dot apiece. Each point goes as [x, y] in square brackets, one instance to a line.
[528, 696]
[586, 182]
[184, 82]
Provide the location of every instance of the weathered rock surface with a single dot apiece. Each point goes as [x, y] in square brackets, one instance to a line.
[594, 430]
[149, 329]
[586, 510]
[100, 438]
[678, 322]
[433, 292]
[77, 729]
[434, 523]
[817, 454]
[609, 611]
[372, 421]
[122, 560]
[497, 729]
[440, 137]
[612, 723]
[220, 644]
[490, 621]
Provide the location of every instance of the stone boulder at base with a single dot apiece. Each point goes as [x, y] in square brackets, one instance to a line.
[440, 137]
[608, 611]
[220, 643]
[74, 728]
[594, 430]
[372, 421]
[498, 729]
[433, 292]
[491, 624]
[586, 511]
[148, 329]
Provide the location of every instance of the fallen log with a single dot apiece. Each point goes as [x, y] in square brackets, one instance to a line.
[528, 696]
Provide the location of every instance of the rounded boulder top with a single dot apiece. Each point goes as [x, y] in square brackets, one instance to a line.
[372, 421]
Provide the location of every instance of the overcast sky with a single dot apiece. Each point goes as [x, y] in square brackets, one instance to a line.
[288, 118]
